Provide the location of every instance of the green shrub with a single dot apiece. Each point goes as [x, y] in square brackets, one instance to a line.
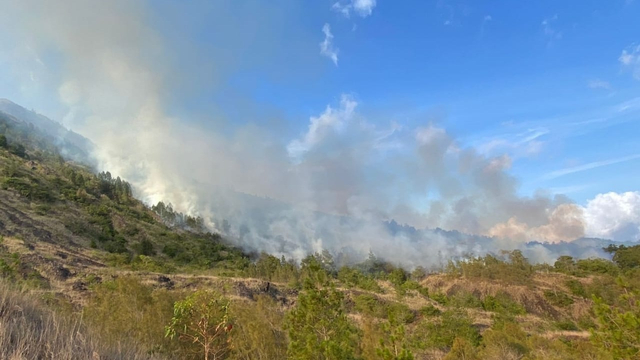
[430, 311]
[441, 334]
[566, 325]
[576, 288]
[440, 298]
[558, 298]
[502, 303]
[465, 300]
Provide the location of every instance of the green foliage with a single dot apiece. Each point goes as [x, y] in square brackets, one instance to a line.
[597, 266]
[395, 312]
[502, 303]
[430, 311]
[462, 349]
[627, 257]
[441, 334]
[393, 344]
[584, 267]
[18, 150]
[3, 141]
[353, 277]
[505, 340]
[418, 274]
[398, 276]
[318, 327]
[371, 305]
[512, 268]
[576, 288]
[464, 300]
[177, 219]
[618, 330]
[201, 322]
[566, 325]
[412, 285]
[558, 298]
[440, 298]
[270, 268]
[148, 263]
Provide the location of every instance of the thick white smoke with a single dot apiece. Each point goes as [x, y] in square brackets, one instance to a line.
[333, 187]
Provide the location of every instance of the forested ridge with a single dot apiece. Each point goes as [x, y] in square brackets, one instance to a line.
[89, 271]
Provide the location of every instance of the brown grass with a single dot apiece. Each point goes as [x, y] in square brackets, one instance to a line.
[30, 331]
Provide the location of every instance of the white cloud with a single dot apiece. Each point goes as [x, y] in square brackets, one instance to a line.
[630, 59]
[363, 8]
[549, 29]
[523, 144]
[614, 216]
[330, 120]
[599, 84]
[326, 46]
[589, 166]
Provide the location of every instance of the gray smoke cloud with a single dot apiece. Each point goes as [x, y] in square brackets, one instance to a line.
[335, 186]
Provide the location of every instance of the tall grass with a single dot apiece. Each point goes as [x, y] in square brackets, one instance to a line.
[28, 330]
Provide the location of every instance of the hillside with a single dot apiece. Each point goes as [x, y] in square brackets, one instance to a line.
[138, 282]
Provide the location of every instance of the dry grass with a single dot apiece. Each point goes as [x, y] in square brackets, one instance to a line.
[529, 296]
[30, 331]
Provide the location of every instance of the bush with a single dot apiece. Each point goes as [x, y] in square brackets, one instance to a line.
[576, 288]
[566, 325]
[440, 298]
[465, 300]
[370, 305]
[430, 311]
[502, 303]
[396, 313]
[355, 278]
[441, 334]
[202, 323]
[558, 298]
[512, 267]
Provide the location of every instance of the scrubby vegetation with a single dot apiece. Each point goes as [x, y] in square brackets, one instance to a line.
[88, 271]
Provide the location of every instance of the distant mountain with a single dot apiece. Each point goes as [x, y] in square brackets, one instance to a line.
[64, 138]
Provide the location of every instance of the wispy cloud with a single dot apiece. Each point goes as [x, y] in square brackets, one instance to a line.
[326, 46]
[522, 144]
[630, 60]
[549, 29]
[487, 19]
[565, 190]
[363, 8]
[588, 166]
[599, 84]
[628, 105]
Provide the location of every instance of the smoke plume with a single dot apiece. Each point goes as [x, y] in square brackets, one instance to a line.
[341, 185]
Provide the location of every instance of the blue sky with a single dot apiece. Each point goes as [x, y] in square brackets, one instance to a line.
[540, 80]
[553, 85]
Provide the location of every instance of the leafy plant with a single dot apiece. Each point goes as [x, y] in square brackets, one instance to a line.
[201, 322]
